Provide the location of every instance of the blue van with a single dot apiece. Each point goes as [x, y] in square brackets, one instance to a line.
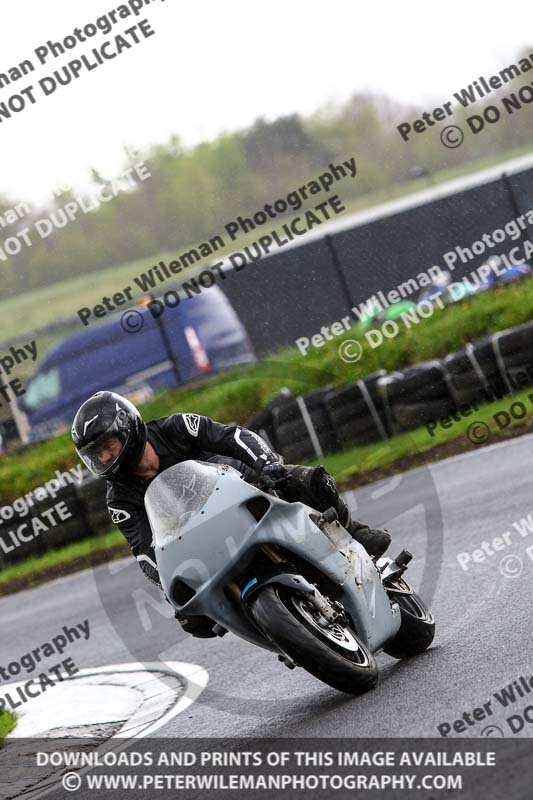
[137, 355]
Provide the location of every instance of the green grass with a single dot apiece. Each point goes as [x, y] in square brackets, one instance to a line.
[63, 556]
[7, 723]
[238, 394]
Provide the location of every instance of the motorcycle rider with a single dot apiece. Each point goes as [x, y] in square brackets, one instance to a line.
[115, 443]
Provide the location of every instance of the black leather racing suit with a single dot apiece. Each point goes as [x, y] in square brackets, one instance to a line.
[190, 436]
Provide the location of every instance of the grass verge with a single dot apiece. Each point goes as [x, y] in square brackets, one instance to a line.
[63, 561]
[7, 723]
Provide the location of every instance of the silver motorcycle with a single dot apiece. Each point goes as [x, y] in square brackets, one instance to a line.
[281, 575]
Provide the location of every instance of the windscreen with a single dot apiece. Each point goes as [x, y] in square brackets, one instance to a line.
[176, 495]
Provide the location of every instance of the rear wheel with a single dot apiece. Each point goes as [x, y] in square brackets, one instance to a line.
[331, 652]
[417, 628]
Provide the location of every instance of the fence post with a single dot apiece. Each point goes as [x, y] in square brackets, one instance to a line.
[167, 346]
[341, 277]
[372, 408]
[513, 202]
[308, 422]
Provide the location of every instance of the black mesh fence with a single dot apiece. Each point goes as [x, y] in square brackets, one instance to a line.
[295, 292]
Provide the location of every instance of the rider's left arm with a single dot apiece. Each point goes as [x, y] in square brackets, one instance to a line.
[225, 440]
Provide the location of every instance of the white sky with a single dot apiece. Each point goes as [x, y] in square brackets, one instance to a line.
[217, 66]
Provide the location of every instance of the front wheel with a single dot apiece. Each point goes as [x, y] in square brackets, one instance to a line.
[417, 627]
[331, 652]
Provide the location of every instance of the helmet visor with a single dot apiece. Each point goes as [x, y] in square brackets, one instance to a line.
[103, 455]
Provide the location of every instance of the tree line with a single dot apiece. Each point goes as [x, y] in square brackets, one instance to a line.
[193, 192]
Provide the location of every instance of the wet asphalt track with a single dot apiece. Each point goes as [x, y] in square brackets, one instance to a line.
[483, 619]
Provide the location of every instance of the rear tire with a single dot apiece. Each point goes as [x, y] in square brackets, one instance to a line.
[334, 655]
[417, 628]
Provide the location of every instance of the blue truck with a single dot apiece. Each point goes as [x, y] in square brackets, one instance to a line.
[136, 354]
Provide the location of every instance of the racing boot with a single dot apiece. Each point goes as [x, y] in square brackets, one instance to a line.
[374, 540]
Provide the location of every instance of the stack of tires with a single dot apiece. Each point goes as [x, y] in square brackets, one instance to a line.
[475, 375]
[514, 351]
[44, 527]
[356, 412]
[69, 530]
[18, 541]
[92, 498]
[263, 423]
[326, 420]
[300, 423]
[416, 395]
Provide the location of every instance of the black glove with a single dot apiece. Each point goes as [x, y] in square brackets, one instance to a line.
[271, 473]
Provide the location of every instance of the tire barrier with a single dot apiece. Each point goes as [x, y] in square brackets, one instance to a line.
[383, 404]
[356, 412]
[263, 423]
[475, 373]
[303, 429]
[416, 395]
[513, 350]
[75, 512]
[92, 498]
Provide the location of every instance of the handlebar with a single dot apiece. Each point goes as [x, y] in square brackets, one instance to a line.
[271, 484]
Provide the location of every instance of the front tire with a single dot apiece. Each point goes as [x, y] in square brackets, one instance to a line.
[331, 653]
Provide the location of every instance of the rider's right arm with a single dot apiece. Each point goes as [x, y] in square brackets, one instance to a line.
[133, 523]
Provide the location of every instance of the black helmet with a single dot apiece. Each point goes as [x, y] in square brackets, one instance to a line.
[101, 417]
